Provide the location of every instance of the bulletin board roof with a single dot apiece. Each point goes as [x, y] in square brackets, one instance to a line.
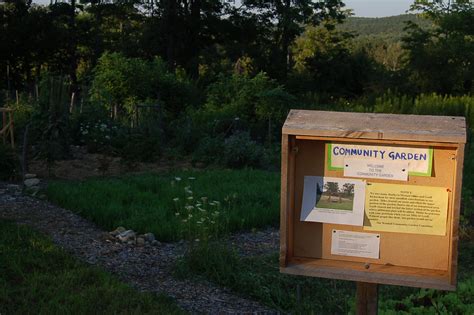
[449, 129]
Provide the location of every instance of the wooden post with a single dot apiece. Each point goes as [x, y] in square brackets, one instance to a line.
[367, 298]
[4, 123]
[71, 106]
[12, 136]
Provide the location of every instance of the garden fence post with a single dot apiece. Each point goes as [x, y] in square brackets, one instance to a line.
[366, 298]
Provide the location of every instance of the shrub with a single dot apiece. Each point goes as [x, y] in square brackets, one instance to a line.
[243, 100]
[209, 151]
[120, 83]
[241, 151]
[140, 148]
[8, 162]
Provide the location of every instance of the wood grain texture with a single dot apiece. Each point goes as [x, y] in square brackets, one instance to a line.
[376, 126]
[313, 240]
[366, 298]
[376, 273]
[456, 213]
[283, 201]
[427, 261]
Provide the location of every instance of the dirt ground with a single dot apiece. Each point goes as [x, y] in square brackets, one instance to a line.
[83, 165]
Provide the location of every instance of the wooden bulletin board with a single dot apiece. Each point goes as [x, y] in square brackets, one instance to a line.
[407, 259]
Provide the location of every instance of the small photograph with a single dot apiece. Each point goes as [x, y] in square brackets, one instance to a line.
[335, 195]
[333, 200]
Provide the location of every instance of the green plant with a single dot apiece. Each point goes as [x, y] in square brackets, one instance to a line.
[51, 120]
[9, 162]
[145, 203]
[241, 151]
[140, 147]
[201, 219]
[260, 279]
[38, 277]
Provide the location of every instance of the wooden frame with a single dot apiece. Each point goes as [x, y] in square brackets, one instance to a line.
[415, 260]
[7, 126]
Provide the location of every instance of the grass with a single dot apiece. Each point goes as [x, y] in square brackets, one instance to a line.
[37, 277]
[344, 204]
[259, 278]
[145, 202]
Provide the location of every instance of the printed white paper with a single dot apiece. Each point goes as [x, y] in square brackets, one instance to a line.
[389, 170]
[357, 244]
[333, 200]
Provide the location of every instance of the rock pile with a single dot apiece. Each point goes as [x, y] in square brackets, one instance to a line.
[32, 184]
[131, 237]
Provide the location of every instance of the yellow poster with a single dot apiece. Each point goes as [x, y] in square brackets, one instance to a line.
[406, 209]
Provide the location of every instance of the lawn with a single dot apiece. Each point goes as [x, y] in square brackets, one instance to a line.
[37, 277]
[335, 203]
[148, 203]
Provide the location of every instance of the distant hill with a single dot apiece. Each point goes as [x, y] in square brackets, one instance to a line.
[386, 27]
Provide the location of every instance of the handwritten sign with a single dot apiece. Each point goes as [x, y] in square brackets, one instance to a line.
[419, 159]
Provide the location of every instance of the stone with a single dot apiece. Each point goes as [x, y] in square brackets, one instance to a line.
[127, 236]
[31, 182]
[28, 176]
[149, 237]
[11, 188]
[107, 237]
[155, 243]
[140, 241]
[33, 190]
[118, 230]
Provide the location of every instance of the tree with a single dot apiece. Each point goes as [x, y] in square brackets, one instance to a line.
[332, 188]
[287, 18]
[348, 189]
[441, 59]
[325, 63]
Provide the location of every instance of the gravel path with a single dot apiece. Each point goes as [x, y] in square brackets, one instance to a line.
[147, 268]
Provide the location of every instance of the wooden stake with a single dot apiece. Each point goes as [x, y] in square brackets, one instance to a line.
[367, 298]
[71, 106]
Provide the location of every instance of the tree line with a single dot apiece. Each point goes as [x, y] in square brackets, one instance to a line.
[296, 43]
[215, 79]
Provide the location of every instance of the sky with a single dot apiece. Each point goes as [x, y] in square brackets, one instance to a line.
[363, 8]
[378, 8]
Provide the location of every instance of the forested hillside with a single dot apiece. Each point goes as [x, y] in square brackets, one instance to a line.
[392, 27]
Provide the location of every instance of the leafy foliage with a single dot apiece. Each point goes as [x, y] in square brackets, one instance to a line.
[8, 162]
